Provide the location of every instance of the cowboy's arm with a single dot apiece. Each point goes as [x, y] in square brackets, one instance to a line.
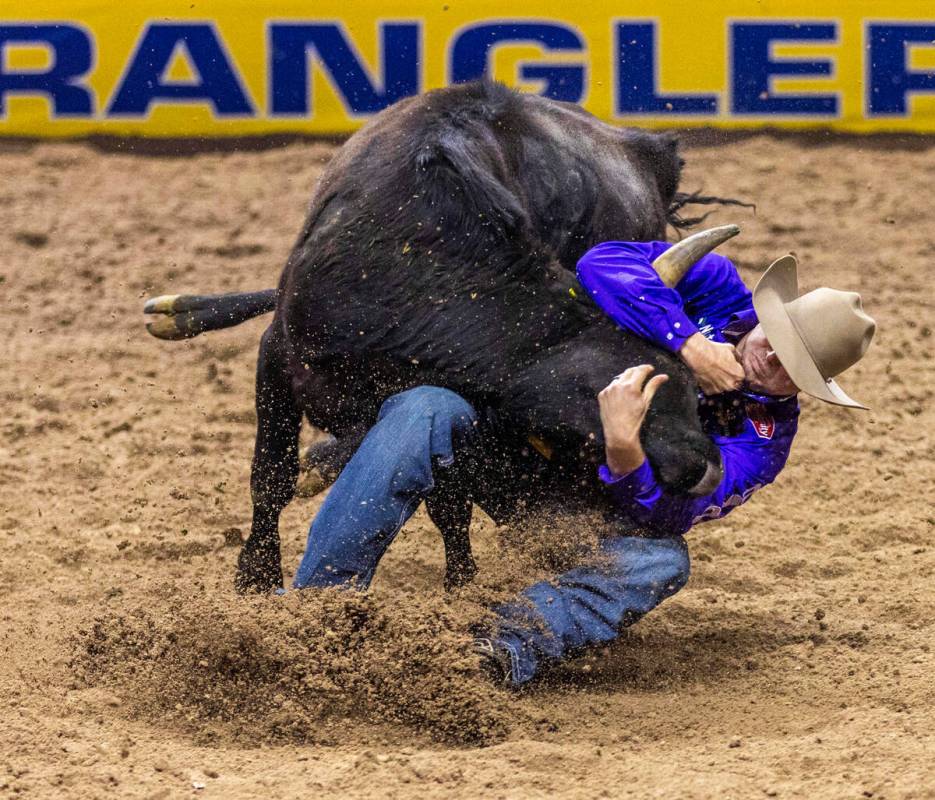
[649, 505]
[620, 278]
[750, 462]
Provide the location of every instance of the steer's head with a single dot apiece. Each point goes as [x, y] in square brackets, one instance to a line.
[683, 457]
[556, 395]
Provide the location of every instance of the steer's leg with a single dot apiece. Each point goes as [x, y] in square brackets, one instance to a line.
[275, 468]
[504, 479]
[418, 435]
[449, 506]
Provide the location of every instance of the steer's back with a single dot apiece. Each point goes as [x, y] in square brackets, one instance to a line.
[441, 240]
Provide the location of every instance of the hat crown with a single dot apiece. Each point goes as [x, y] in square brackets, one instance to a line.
[816, 335]
[834, 328]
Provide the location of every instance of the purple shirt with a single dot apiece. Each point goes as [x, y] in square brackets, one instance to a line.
[710, 299]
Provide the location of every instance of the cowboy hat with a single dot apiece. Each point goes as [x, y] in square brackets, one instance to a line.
[816, 336]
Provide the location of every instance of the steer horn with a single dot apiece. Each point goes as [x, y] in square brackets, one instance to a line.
[678, 259]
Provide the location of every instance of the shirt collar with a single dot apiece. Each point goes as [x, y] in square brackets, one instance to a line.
[739, 324]
[764, 398]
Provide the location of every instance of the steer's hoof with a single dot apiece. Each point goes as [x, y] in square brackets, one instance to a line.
[311, 482]
[166, 328]
[460, 575]
[259, 572]
[185, 315]
[253, 582]
[314, 475]
[164, 304]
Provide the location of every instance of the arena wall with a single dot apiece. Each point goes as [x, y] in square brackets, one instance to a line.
[238, 67]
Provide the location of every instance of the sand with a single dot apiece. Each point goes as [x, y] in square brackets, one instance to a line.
[797, 662]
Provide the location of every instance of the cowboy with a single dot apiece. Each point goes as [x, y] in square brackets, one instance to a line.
[750, 354]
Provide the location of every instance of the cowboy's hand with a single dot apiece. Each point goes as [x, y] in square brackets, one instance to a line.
[716, 365]
[623, 404]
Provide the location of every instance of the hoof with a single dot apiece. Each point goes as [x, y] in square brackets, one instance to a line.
[246, 582]
[258, 571]
[456, 577]
[164, 304]
[185, 315]
[166, 328]
[311, 482]
[314, 476]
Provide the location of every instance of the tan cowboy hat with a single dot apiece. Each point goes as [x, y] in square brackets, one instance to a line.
[816, 336]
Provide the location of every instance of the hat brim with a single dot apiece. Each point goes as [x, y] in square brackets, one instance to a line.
[778, 286]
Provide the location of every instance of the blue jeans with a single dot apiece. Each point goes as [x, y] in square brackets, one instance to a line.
[424, 429]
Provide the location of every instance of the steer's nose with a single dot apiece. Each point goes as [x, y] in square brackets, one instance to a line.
[713, 475]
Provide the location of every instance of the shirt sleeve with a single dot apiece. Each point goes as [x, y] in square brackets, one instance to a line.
[712, 291]
[620, 278]
[749, 464]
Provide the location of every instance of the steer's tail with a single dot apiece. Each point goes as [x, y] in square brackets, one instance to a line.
[187, 315]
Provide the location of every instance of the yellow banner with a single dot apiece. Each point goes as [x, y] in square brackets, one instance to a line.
[241, 67]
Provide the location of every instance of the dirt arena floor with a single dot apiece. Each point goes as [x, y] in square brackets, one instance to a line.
[796, 663]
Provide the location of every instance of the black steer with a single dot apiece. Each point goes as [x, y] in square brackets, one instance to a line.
[440, 248]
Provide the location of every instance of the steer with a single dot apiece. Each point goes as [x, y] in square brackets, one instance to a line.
[440, 248]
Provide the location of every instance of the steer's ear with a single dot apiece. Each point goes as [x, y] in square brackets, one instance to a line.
[462, 170]
[659, 153]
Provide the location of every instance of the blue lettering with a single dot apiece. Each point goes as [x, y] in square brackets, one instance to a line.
[290, 45]
[144, 81]
[636, 77]
[752, 69]
[71, 59]
[470, 55]
[889, 78]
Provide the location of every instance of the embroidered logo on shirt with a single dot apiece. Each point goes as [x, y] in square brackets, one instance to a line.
[714, 511]
[763, 423]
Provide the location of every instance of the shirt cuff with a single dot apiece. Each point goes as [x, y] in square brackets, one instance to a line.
[639, 481]
[680, 329]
